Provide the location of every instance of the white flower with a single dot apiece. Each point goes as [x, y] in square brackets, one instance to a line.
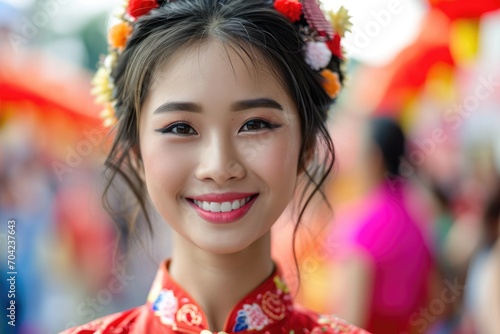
[110, 61]
[318, 55]
[166, 306]
[256, 319]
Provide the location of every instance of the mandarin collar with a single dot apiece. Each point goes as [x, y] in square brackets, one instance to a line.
[262, 308]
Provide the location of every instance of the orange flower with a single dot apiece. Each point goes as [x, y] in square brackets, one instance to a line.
[331, 83]
[118, 35]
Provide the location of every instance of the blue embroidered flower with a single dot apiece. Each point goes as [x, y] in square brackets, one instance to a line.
[166, 306]
[241, 322]
[250, 317]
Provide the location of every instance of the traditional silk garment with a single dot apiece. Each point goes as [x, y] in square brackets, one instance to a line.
[169, 309]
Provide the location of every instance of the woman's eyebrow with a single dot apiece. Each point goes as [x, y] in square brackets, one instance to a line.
[237, 106]
[178, 106]
[256, 103]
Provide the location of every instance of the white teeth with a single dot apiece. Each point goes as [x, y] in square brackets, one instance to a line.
[215, 207]
[221, 207]
[225, 207]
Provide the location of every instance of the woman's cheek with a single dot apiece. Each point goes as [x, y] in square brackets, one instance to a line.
[277, 157]
[165, 166]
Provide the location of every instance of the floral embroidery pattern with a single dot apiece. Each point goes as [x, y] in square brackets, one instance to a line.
[323, 330]
[329, 324]
[189, 314]
[166, 306]
[250, 317]
[273, 306]
[169, 304]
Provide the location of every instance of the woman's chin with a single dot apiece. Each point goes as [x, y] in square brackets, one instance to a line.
[222, 248]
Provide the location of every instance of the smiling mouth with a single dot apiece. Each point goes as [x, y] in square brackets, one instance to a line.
[217, 207]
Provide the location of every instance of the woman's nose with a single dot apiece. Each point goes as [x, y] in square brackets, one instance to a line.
[219, 161]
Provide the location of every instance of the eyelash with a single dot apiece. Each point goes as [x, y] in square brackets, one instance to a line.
[267, 125]
[169, 128]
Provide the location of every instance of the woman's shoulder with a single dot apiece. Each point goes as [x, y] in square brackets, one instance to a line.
[120, 322]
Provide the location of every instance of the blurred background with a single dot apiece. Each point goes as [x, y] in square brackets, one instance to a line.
[411, 241]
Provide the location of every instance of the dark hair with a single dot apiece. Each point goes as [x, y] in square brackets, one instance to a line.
[390, 140]
[255, 30]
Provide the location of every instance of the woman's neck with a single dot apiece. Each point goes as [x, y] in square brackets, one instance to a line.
[219, 281]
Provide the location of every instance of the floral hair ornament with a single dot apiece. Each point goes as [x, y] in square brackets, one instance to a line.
[322, 37]
[322, 42]
[118, 36]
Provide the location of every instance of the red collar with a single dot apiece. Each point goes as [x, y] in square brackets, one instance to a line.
[262, 308]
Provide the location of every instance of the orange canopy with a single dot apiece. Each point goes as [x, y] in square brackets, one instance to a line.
[55, 89]
[465, 9]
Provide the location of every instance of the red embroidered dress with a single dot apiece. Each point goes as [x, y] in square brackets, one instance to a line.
[169, 309]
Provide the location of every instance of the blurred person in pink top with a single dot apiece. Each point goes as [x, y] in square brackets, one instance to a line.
[382, 261]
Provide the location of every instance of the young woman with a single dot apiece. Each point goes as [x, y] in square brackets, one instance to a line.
[220, 109]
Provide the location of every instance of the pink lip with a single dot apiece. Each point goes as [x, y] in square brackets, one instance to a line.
[222, 217]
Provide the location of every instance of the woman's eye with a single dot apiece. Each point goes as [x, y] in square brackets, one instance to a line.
[182, 129]
[257, 124]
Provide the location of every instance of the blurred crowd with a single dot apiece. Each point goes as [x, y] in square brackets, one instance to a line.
[411, 240]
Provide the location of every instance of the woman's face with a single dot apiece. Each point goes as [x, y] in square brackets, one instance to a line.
[220, 141]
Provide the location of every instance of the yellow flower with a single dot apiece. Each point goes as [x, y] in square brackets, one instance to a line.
[108, 115]
[103, 91]
[102, 87]
[340, 21]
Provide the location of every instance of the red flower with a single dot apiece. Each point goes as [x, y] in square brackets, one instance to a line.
[334, 45]
[138, 8]
[292, 9]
